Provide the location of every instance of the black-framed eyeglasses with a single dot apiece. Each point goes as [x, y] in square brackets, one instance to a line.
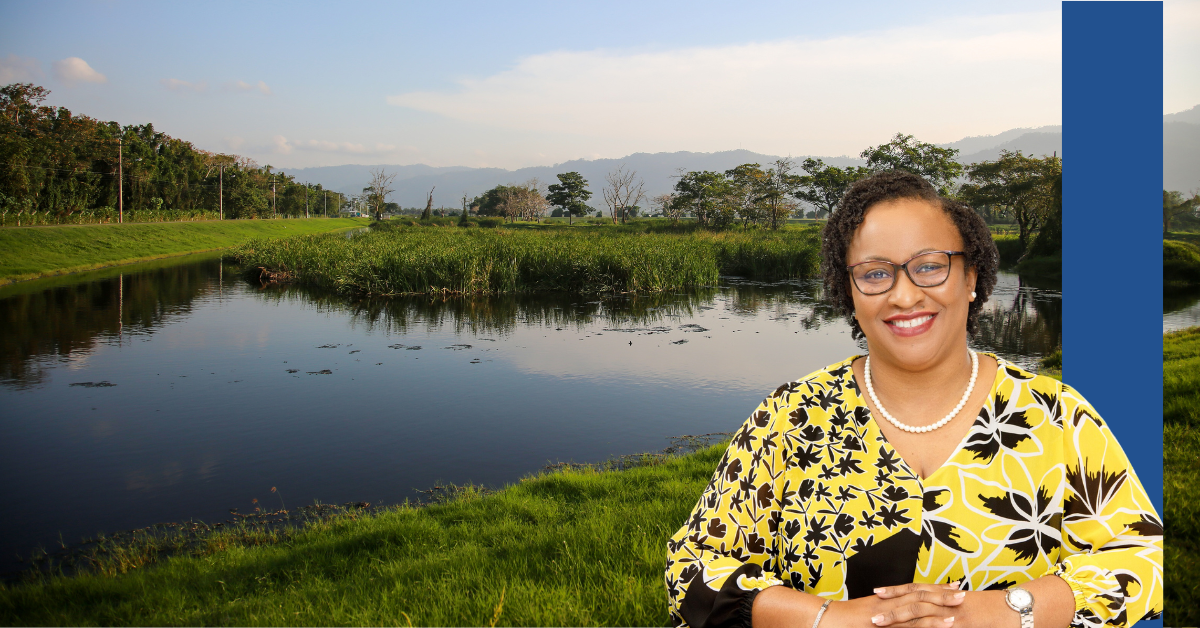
[926, 270]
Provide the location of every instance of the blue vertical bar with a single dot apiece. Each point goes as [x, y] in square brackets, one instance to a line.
[1112, 177]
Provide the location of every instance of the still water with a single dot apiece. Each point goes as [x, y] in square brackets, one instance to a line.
[1181, 308]
[179, 390]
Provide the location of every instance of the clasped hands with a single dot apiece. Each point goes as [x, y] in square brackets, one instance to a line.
[917, 605]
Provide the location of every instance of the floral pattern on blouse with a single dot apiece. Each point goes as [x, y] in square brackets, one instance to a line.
[810, 495]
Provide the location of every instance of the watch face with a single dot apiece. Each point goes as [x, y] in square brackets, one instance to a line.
[1020, 598]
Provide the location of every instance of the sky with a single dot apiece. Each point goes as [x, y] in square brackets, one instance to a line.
[538, 83]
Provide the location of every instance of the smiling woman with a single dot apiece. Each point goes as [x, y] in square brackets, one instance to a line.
[1009, 503]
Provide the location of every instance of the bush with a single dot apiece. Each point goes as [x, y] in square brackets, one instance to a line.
[1181, 263]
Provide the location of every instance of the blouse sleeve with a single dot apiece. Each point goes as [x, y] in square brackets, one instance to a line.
[727, 551]
[1112, 550]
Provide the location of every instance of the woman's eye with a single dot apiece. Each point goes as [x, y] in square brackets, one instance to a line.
[877, 274]
[926, 269]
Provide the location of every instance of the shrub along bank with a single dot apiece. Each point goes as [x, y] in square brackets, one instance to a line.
[422, 260]
[31, 252]
[574, 547]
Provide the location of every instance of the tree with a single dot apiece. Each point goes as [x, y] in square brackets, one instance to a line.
[1023, 185]
[466, 212]
[667, 205]
[378, 190]
[745, 190]
[698, 191]
[570, 194]
[428, 213]
[623, 190]
[904, 152]
[824, 186]
[490, 203]
[1175, 205]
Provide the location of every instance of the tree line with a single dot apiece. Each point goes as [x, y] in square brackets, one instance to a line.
[1014, 189]
[57, 167]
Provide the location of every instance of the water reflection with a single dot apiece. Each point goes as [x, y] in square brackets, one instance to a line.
[216, 388]
[1181, 307]
[39, 327]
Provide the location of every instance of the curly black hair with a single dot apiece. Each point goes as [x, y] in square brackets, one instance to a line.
[978, 248]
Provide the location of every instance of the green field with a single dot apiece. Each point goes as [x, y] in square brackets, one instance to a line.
[395, 259]
[573, 547]
[31, 252]
[1181, 471]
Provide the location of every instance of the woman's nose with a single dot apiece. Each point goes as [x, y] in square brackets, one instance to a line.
[905, 293]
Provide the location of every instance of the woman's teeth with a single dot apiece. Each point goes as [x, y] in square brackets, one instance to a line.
[912, 322]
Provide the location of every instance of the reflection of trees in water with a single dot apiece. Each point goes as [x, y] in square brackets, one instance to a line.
[1022, 328]
[55, 323]
[500, 314]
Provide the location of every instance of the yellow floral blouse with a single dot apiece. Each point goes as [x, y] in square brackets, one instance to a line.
[810, 495]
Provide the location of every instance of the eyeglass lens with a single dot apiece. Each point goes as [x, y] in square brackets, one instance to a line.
[926, 271]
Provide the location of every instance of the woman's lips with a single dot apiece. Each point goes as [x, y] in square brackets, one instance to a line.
[914, 326]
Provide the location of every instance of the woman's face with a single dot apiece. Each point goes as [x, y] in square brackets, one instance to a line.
[912, 327]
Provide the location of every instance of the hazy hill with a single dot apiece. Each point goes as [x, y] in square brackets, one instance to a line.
[1181, 150]
[414, 182]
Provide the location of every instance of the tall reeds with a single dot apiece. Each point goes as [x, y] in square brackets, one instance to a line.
[475, 261]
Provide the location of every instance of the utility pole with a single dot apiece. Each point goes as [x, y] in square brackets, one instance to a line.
[306, 200]
[325, 206]
[120, 181]
[274, 210]
[221, 192]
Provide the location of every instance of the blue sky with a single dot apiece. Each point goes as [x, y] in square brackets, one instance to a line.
[533, 83]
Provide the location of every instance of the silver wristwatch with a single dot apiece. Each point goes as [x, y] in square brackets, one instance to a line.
[1021, 601]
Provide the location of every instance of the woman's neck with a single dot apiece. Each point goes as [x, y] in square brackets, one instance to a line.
[921, 394]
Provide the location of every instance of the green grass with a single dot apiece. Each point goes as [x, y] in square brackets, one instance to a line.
[1181, 470]
[1009, 247]
[571, 547]
[396, 259]
[31, 252]
[1181, 263]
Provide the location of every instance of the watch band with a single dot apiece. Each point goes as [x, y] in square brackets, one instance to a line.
[1021, 600]
[826, 605]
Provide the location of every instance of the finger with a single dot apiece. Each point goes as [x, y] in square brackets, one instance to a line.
[888, 593]
[910, 611]
[917, 622]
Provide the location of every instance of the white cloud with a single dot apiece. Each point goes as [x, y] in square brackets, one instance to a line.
[1181, 55]
[281, 145]
[234, 142]
[14, 69]
[243, 86]
[177, 85]
[940, 81]
[75, 70]
[347, 147]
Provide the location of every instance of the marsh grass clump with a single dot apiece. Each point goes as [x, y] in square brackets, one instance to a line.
[393, 259]
[1181, 263]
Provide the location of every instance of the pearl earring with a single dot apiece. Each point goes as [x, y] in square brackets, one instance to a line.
[972, 294]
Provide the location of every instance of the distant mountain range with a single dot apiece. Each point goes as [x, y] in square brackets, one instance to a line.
[1181, 151]
[1181, 158]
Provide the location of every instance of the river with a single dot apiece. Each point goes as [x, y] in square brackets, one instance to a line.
[178, 390]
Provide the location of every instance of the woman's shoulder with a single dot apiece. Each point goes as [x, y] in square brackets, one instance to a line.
[1033, 381]
[836, 371]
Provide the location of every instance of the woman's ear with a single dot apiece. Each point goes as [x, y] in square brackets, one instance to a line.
[972, 276]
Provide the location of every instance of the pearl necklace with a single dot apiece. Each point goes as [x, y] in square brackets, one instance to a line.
[926, 428]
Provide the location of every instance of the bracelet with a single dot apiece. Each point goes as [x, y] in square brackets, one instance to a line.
[820, 613]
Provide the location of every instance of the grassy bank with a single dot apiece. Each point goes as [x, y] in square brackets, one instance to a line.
[1181, 487]
[1181, 263]
[566, 548]
[31, 252]
[425, 260]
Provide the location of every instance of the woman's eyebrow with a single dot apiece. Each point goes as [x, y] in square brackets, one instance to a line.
[882, 258]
